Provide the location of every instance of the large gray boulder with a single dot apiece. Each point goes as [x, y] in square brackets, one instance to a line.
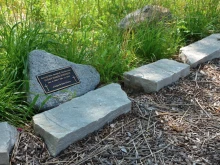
[75, 119]
[40, 62]
[8, 137]
[147, 13]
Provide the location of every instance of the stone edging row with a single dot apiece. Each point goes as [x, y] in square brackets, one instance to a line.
[75, 119]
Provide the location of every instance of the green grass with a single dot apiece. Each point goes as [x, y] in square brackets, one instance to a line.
[86, 32]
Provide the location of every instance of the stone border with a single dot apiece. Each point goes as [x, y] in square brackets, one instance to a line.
[73, 120]
[8, 137]
[201, 51]
[168, 71]
[154, 76]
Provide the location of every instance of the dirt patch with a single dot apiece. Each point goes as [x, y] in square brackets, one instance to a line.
[180, 124]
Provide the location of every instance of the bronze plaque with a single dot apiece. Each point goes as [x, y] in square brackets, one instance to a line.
[55, 80]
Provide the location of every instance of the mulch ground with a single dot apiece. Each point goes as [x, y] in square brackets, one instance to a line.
[180, 124]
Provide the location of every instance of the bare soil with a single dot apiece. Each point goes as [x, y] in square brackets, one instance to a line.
[180, 124]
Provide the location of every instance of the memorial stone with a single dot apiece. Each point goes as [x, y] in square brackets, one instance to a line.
[54, 80]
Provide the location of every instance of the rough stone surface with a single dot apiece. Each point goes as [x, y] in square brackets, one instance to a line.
[77, 118]
[147, 13]
[201, 51]
[154, 76]
[179, 69]
[8, 137]
[41, 62]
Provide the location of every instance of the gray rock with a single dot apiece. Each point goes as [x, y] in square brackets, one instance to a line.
[75, 119]
[154, 76]
[147, 13]
[201, 51]
[179, 69]
[8, 138]
[40, 62]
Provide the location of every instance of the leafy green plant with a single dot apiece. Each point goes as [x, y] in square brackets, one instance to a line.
[152, 42]
[201, 18]
[13, 108]
[16, 42]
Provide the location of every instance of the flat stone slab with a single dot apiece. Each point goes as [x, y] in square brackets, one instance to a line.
[75, 119]
[154, 76]
[41, 62]
[8, 137]
[201, 51]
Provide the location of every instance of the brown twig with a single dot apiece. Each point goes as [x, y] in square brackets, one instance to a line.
[157, 151]
[202, 108]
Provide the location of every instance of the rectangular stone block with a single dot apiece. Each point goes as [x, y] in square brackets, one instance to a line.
[154, 76]
[8, 137]
[201, 51]
[75, 119]
[179, 69]
[149, 77]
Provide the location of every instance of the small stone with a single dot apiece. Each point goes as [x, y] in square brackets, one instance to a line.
[40, 62]
[129, 134]
[214, 78]
[123, 149]
[202, 72]
[75, 119]
[8, 138]
[151, 108]
[147, 13]
[112, 125]
[194, 147]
